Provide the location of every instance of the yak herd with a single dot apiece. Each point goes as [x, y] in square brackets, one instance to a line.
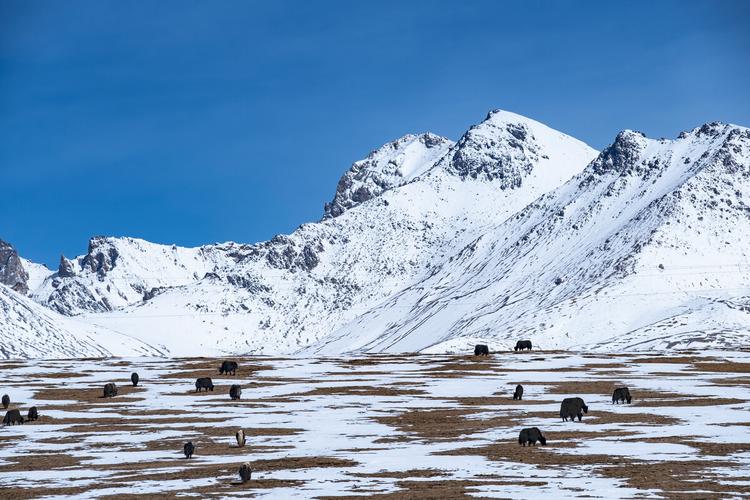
[570, 408]
[13, 416]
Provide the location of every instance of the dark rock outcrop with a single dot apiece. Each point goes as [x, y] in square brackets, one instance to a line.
[12, 272]
[66, 269]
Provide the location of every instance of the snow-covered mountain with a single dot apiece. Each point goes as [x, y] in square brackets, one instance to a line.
[281, 295]
[646, 248]
[516, 230]
[29, 330]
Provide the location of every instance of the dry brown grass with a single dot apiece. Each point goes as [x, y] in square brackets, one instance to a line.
[359, 391]
[90, 395]
[722, 367]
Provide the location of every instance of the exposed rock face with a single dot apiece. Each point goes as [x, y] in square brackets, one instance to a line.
[12, 272]
[101, 256]
[390, 166]
[66, 269]
[499, 149]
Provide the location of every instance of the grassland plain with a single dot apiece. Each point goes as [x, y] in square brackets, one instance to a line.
[395, 426]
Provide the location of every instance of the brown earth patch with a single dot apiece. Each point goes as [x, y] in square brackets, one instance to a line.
[39, 461]
[419, 490]
[496, 400]
[582, 387]
[91, 395]
[359, 391]
[404, 474]
[689, 401]
[682, 360]
[723, 367]
[732, 382]
[537, 455]
[677, 479]
[59, 375]
[444, 424]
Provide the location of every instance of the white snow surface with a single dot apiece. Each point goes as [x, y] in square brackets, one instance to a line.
[514, 231]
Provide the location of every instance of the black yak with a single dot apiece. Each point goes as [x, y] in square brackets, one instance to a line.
[523, 344]
[570, 408]
[481, 350]
[621, 394]
[519, 392]
[530, 436]
[204, 383]
[245, 472]
[228, 367]
[188, 449]
[33, 414]
[13, 417]
[6, 401]
[235, 391]
[134, 378]
[110, 390]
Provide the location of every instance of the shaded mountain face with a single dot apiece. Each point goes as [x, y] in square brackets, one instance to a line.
[12, 272]
[646, 248]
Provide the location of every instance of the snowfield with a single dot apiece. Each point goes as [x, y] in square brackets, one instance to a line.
[391, 426]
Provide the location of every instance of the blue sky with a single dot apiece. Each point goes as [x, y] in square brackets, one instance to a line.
[197, 122]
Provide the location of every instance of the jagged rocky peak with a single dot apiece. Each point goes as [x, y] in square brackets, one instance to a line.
[392, 165]
[12, 272]
[502, 148]
[101, 256]
[622, 154]
[66, 269]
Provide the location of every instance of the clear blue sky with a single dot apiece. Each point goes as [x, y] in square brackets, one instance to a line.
[197, 122]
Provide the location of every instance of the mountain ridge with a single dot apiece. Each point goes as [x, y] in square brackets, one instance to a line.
[510, 204]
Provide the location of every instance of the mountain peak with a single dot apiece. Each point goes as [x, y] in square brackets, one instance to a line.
[506, 147]
[392, 165]
[12, 272]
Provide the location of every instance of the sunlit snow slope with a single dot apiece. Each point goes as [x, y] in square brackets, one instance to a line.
[646, 248]
[513, 231]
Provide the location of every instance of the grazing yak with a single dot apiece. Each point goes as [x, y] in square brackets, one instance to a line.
[519, 392]
[621, 394]
[523, 344]
[6, 401]
[134, 378]
[245, 472]
[110, 390]
[188, 449]
[572, 408]
[481, 350]
[235, 391]
[228, 367]
[530, 436]
[13, 417]
[204, 383]
[240, 438]
[33, 414]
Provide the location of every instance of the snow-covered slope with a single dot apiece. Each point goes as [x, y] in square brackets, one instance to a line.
[647, 247]
[283, 294]
[116, 272]
[513, 231]
[28, 330]
[390, 166]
